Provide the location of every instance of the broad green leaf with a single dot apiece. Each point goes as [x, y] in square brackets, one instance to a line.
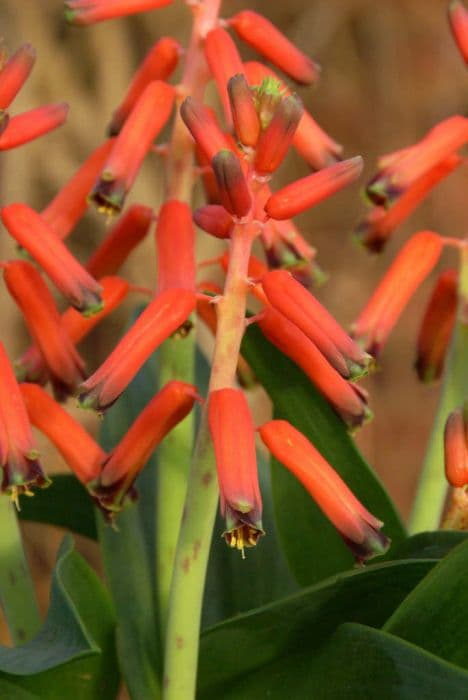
[357, 663]
[311, 544]
[429, 545]
[65, 503]
[73, 655]
[435, 614]
[271, 634]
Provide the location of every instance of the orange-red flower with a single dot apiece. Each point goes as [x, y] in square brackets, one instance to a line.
[298, 305]
[274, 140]
[215, 220]
[411, 266]
[233, 189]
[158, 64]
[175, 232]
[32, 233]
[347, 399]
[18, 455]
[162, 317]
[359, 529]
[14, 74]
[64, 365]
[90, 11]
[232, 432]
[265, 38]
[309, 191]
[120, 469]
[128, 231]
[456, 448]
[437, 327]
[224, 62]
[32, 124]
[69, 204]
[458, 18]
[244, 113]
[82, 454]
[204, 128]
[150, 114]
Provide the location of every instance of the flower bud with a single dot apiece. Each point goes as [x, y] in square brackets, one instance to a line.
[456, 448]
[28, 126]
[274, 141]
[265, 38]
[175, 232]
[14, 74]
[223, 61]
[244, 114]
[83, 12]
[309, 191]
[215, 220]
[203, 127]
[233, 189]
[359, 529]
[458, 19]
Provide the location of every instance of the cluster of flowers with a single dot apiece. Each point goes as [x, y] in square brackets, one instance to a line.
[263, 120]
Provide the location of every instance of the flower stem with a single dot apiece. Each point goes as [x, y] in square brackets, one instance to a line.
[16, 588]
[185, 606]
[432, 488]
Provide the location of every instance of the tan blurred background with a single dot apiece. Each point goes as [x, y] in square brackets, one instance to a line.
[390, 71]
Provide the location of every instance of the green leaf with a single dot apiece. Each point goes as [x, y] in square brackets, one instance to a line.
[429, 545]
[271, 634]
[358, 662]
[435, 614]
[311, 544]
[73, 654]
[8, 691]
[65, 503]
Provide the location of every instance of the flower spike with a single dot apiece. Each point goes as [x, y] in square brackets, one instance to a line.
[120, 469]
[437, 327]
[232, 432]
[82, 454]
[30, 125]
[28, 289]
[414, 262]
[32, 233]
[14, 74]
[146, 120]
[359, 529]
[456, 448]
[159, 63]
[458, 18]
[175, 231]
[265, 38]
[84, 12]
[309, 191]
[18, 455]
[161, 318]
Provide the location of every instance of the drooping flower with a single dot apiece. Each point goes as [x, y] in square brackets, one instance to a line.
[359, 529]
[232, 432]
[83, 12]
[28, 126]
[175, 232]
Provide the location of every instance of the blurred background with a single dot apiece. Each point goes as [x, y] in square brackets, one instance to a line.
[390, 71]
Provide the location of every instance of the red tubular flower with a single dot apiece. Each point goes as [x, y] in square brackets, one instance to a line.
[224, 62]
[14, 74]
[90, 11]
[232, 432]
[30, 125]
[313, 144]
[233, 189]
[162, 317]
[380, 223]
[146, 120]
[159, 63]
[68, 206]
[244, 113]
[120, 469]
[18, 455]
[411, 266]
[456, 448]
[359, 529]
[309, 191]
[215, 220]
[30, 367]
[437, 327]
[285, 248]
[32, 233]
[129, 230]
[82, 454]
[347, 399]
[204, 128]
[26, 286]
[175, 232]
[458, 18]
[265, 38]
[441, 142]
[292, 300]
[275, 140]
